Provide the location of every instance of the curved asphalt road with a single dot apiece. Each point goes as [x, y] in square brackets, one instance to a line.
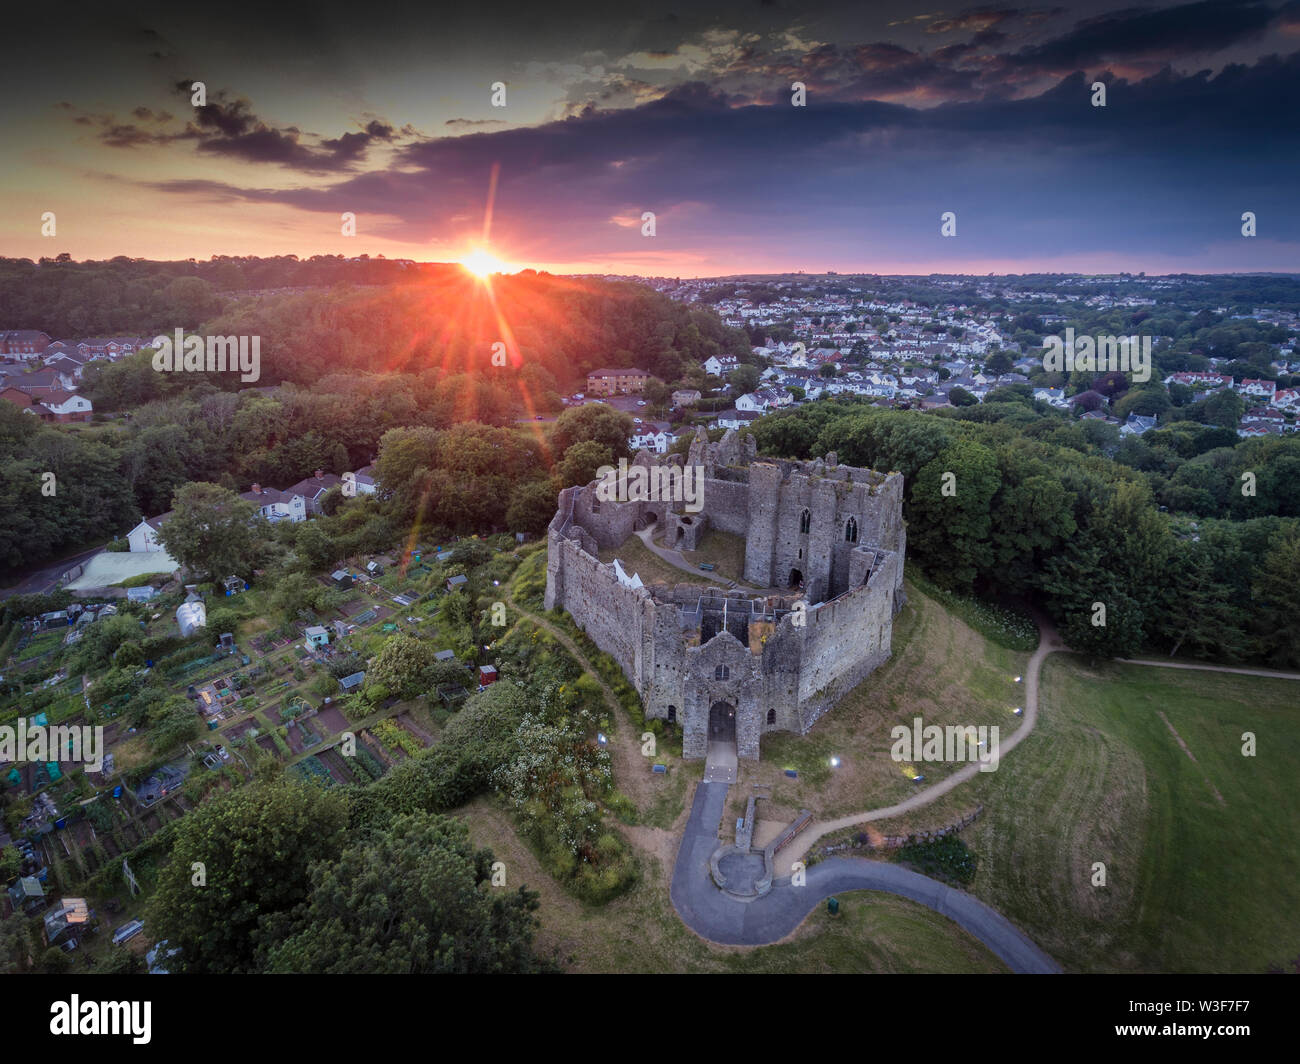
[719, 918]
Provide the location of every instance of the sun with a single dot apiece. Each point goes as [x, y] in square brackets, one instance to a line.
[482, 263]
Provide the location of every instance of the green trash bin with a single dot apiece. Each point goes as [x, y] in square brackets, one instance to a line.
[833, 906]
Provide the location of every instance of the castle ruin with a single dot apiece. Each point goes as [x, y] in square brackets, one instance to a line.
[824, 547]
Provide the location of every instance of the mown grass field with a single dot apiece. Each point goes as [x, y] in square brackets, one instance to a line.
[1193, 884]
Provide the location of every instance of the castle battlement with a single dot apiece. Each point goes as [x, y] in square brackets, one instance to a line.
[824, 542]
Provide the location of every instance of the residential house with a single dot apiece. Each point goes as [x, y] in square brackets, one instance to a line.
[38, 384]
[1258, 388]
[276, 505]
[68, 370]
[65, 406]
[19, 398]
[1286, 399]
[686, 397]
[720, 365]
[364, 478]
[144, 537]
[652, 436]
[313, 489]
[734, 419]
[1137, 424]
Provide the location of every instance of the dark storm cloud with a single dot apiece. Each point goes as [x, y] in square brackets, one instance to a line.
[1140, 162]
[228, 126]
[1206, 26]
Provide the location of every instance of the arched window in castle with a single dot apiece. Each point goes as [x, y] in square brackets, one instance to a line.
[805, 521]
[672, 714]
[851, 530]
[722, 672]
[771, 716]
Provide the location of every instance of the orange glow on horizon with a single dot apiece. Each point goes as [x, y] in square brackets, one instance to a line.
[482, 264]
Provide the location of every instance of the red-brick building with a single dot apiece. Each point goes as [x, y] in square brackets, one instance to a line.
[23, 343]
[616, 381]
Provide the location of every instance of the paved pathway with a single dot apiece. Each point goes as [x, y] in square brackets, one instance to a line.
[723, 919]
[1048, 642]
[1211, 668]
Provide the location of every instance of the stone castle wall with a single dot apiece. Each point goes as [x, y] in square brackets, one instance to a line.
[781, 676]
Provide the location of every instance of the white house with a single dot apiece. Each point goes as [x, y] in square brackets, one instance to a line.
[276, 505]
[720, 365]
[364, 478]
[734, 419]
[652, 438]
[67, 406]
[144, 537]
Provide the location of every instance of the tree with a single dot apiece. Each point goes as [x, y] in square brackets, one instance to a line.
[952, 515]
[15, 943]
[998, 362]
[210, 530]
[404, 665]
[743, 379]
[581, 461]
[532, 505]
[411, 899]
[594, 421]
[178, 723]
[254, 846]
[959, 396]
[1277, 592]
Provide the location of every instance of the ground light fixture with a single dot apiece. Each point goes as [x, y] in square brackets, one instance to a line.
[835, 762]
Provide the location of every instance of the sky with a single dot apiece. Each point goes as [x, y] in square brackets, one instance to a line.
[686, 111]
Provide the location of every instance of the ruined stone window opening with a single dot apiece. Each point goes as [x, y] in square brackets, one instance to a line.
[805, 521]
[722, 672]
[771, 716]
[672, 714]
[851, 530]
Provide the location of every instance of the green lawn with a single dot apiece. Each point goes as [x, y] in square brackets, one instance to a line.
[723, 549]
[637, 558]
[1193, 884]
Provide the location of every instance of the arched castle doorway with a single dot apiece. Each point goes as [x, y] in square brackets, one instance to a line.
[722, 722]
[796, 578]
